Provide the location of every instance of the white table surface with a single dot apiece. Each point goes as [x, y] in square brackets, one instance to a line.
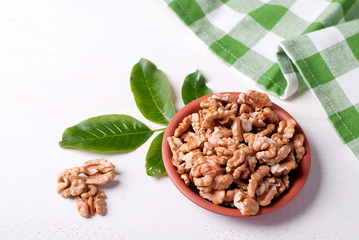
[64, 61]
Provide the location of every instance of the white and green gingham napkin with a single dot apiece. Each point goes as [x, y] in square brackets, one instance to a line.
[288, 45]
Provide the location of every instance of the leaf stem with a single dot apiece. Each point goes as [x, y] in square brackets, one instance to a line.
[157, 130]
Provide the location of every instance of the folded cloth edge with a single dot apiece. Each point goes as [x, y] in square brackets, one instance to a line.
[289, 53]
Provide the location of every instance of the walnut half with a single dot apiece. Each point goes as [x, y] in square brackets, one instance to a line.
[80, 183]
[91, 202]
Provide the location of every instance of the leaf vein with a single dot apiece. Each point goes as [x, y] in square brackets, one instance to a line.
[115, 135]
[109, 129]
[151, 94]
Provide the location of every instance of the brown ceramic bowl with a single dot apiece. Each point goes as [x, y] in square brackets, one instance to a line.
[298, 179]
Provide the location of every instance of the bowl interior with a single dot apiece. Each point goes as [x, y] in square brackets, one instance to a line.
[298, 179]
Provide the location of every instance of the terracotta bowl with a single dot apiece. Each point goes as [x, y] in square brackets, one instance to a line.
[298, 179]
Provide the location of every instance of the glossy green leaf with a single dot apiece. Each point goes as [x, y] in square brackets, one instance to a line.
[193, 87]
[152, 92]
[154, 162]
[114, 132]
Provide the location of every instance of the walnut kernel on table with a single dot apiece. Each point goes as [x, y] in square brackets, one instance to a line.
[81, 183]
[236, 151]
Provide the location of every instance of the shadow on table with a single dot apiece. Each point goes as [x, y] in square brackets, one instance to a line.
[113, 183]
[298, 206]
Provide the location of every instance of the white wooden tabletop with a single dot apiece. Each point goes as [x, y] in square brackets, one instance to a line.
[64, 61]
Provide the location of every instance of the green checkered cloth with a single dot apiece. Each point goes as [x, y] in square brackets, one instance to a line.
[287, 46]
[328, 61]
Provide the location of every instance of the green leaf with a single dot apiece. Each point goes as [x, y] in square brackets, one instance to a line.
[114, 132]
[152, 92]
[193, 87]
[154, 162]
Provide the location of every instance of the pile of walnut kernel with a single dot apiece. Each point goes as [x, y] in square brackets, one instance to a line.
[237, 152]
[80, 183]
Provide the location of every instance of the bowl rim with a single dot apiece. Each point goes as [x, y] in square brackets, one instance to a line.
[301, 173]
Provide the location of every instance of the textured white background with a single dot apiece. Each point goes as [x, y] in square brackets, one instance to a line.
[63, 61]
